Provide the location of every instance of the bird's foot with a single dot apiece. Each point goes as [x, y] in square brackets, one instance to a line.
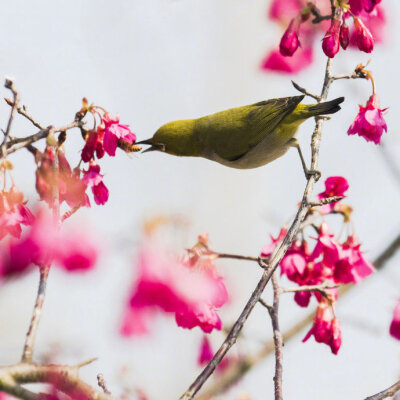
[312, 172]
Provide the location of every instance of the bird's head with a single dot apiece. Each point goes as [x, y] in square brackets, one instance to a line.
[176, 138]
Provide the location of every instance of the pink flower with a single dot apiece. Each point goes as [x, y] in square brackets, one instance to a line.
[94, 144]
[290, 39]
[352, 266]
[334, 186]
[165, 283]
[344, 36]
[358, 6]
[114, 131]
[325, 329]
[45, 243]
[284, 10]
[395, 325]
[13, 213]
[369, 122]
[71, 188]
[206, 353]
[274, 61]
[330, 42]
[94, 180]
[363, 36]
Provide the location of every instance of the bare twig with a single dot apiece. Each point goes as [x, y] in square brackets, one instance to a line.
[9, 84]
[102, 383]
[236, 257]
[327, 200]
[246, 363]
[275, 258]
[354, 75]
[22, 111]
[265, 304]
[310, 288]
[305, 91]
[278, 341]
[37, 312]
[389, 392]
[64, 377]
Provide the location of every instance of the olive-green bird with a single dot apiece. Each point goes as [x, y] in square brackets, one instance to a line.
[243, 137]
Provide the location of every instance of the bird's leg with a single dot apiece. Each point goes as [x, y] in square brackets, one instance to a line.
[307, 172]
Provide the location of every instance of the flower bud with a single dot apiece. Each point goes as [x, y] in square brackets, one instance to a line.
[344, 37]
[290, 40]
[330, 42]
[363, 36]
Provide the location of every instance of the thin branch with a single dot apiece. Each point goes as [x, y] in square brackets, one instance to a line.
[276, 257]
[9, 84]
[278, 340]
[265, 304]
[310, 288]
[22, 111]
[327, 200]
[236, 371]
[389, 392]
[354, 75]
[64, 377]
[102, 383]
[236, 257]
[305, 91]
[37, 312]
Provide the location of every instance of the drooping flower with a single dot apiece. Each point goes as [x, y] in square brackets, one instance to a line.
[45, 243]
[290, 39]
[70, 187]
[358, 6]
[192, 295]
[344, 35]
[114, 131]
[13, 213]
[369, 122]
[395, 324]
[94, 180]
[334, 186]
[326, 329]
[363, 36]
[352, 266]
[205, 353]
[330, 42]
[274, 61]
[94, 145]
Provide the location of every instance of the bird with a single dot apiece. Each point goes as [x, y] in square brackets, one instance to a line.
[243, 137]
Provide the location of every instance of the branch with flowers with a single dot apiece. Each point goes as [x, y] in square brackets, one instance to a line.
[189, 287]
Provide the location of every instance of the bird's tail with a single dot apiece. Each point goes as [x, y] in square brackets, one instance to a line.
[328, 107]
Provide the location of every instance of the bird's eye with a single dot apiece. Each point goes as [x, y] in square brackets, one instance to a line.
[161, 146]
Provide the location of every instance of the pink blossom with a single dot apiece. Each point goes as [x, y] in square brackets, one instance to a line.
[165, 283]
[274, 61]
[369, 122]
[94, 180]
[395, 325]
[13, 213]
[344, 35]
[330, 42]
[206, 353]
[326, 329]
[45, 243]
[363, 36]
[284, 10]
[94, 144]
[358, 6]
[334, 186]
[114, 131]
[290, 39]
[352, 266]
[71, 188]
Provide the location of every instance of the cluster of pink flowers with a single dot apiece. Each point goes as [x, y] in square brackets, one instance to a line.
[190, 289]
[295, 48]
[43, 243]
[329, 263]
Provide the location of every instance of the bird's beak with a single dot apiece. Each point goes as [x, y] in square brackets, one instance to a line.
[147, 141]
[153, 147]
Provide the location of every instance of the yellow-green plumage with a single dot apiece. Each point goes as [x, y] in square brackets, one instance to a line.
[242, 137]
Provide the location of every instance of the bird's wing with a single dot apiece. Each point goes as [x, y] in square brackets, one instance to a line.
[232, 133]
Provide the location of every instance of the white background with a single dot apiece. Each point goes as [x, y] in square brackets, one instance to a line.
[153, 61]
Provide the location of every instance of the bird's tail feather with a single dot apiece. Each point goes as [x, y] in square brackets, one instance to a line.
[328, 107]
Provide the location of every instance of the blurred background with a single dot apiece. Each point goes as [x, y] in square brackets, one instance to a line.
[153, 61]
